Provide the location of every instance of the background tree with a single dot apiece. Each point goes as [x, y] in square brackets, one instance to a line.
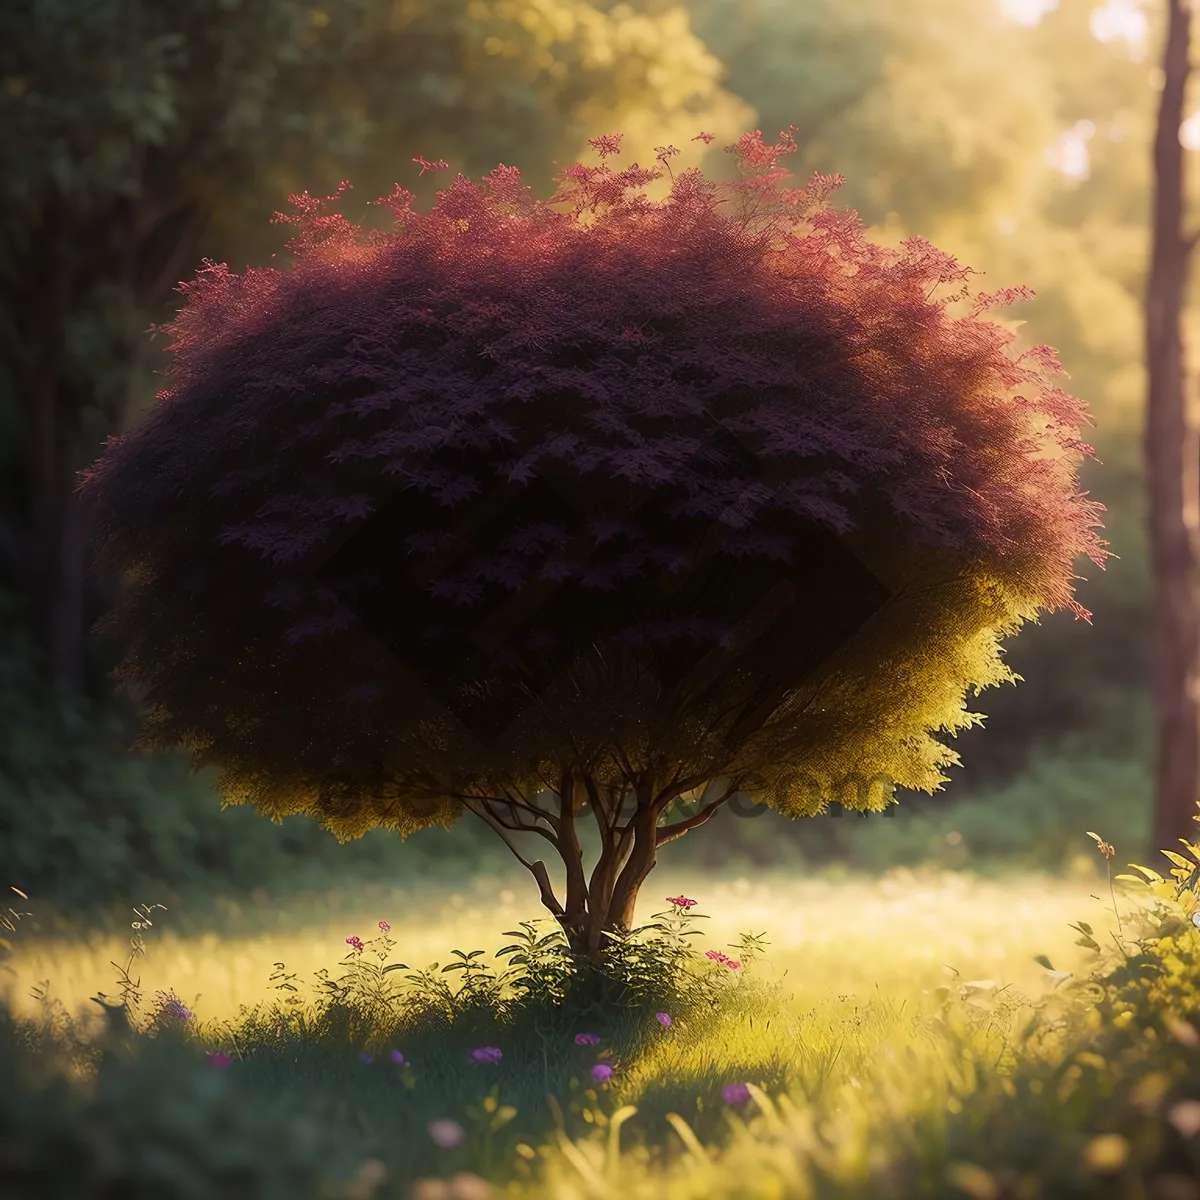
[1172, 460]
[139, 136]
[511, 510]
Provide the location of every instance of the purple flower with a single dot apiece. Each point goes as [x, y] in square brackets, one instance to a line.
[735, 1093]
[397, 1058]
[218, 1059]
[446, 1134]
[176, 1009]
[586, 1039]
[384, 927]
[663, 1018]
[367, 1058]
[487, 1054]
[601, 1073]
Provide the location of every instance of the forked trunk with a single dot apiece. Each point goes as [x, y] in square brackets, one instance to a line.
[604, 901]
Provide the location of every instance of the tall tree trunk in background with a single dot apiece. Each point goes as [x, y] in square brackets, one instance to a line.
[1172, 464]
[53, 553]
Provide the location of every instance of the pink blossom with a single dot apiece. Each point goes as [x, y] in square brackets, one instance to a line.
[385, 927]
[602, 1073]
[663, 1018]
[356, 942]
[716, 956]
[446, 1134]
[732, 964]
[586, 1039]
[680, 901]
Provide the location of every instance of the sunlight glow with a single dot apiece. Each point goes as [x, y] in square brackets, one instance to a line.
[1121, 20]
[1069, 155]
[1189, 132]
[1027, 12]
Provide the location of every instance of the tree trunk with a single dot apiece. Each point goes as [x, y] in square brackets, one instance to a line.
[1172, 463]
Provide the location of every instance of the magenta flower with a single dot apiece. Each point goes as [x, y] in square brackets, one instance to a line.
[680, 901]
[586, 1039]
[384, 927]
[367, 1058]
[446, 1134]
[716, 956]
[356, 942]
[732, 964]
[601, 1073]
[735, 1093]
[663, 1019]
[487, 1054]
[397, 1058]
[218, 1059]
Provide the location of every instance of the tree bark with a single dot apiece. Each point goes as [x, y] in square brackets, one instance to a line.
[1172, 464]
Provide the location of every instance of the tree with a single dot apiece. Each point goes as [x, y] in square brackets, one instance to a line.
[528, 513]
[138, 136]
[1171, 450]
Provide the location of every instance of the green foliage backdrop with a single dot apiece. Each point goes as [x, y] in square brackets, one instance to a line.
[939, 114]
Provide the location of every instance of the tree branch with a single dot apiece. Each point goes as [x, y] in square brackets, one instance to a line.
[668, 833]
[537, 869]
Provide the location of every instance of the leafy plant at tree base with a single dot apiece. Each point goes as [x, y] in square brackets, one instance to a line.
[534, 514]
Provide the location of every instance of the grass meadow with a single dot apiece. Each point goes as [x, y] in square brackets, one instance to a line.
[915, 1034]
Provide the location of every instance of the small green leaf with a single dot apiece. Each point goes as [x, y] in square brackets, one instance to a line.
[1043, 961]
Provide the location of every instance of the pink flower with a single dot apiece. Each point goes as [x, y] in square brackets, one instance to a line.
[663, 1019]
[601, 1073]
[219, 1060]
[732, 964]
[385, 927]
[446, 1134]
[680, 901]
[735, 1093]
[487, 1054]
[716, 956]
[356, 942]
[586, 1039]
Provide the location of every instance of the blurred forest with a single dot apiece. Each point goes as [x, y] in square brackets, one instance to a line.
[140, 138]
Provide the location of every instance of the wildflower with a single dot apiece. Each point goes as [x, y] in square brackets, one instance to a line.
[663, 1018]
[356, 942]
[735, 1093]
[367, 1058]
[586, 1039]
[397, 1058]
[487, 1054]
[218, 1059]
[446, 1134]
[384, 927]
[601, 1073]
[175, 1009]
[680, 901]
[732, 964]
[716, 956]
